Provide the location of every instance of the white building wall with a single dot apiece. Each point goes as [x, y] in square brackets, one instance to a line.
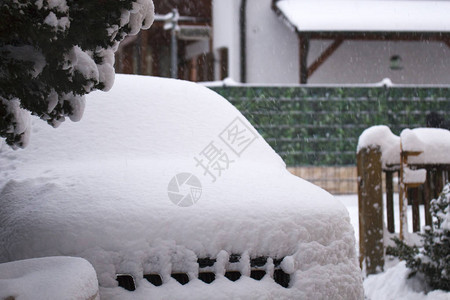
[226, 33]
[271, 46]
[272, 52]
[369, 62]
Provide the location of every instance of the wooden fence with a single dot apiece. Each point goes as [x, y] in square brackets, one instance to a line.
[337, 180]
[370, 195]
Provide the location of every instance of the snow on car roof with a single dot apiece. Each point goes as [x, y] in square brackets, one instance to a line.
[360, 16]
[157, 173]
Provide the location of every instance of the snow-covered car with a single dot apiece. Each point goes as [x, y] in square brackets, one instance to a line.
[170, 193]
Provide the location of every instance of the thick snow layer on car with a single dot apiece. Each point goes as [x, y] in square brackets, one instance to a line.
[68, 278]
[107, 188]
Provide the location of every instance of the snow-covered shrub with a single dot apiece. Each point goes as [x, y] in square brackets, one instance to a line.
[433, 259]
[53, 52]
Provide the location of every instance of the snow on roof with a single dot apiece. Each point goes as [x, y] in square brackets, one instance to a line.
[69, 278]
[99, 189]
[366, 16]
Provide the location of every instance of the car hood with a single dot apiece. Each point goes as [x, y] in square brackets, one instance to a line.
[109, 188]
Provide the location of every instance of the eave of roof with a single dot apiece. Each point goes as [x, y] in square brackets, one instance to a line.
[416, 18]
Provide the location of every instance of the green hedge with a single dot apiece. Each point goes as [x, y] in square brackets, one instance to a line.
[321, 125]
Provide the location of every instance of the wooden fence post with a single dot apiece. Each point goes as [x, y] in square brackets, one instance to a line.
[390, 202]
[415, 194]
[403, 196]
[428, 195]
[370, 204]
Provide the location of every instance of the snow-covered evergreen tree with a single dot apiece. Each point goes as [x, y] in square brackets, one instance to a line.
[433, 259]
[52, 52]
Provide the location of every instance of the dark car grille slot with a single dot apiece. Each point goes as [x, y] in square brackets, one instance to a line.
[257, 274]
[126, 281]
[205, 262]
[154, 279]
[277, 262]
[258, 261]
[182, 278]
[234, 258]
[233, 275]
[207, 275]
[281, 278]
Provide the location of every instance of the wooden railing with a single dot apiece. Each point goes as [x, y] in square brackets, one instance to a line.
[370, 194]
[436, 176]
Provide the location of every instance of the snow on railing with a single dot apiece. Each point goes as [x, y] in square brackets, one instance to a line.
[420, 159]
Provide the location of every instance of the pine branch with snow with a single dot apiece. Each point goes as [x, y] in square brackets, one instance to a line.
[433, 259]
[53, 52]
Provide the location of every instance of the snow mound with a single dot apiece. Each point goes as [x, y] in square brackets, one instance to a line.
[68, 278]
[160, 173]
[394, 284]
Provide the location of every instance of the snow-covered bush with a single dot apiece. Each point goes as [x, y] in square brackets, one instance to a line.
[52, 52]
[433, 259]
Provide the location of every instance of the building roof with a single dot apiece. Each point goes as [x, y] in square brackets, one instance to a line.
[365, 16]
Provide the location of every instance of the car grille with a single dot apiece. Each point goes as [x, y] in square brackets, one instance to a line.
[258, 269]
